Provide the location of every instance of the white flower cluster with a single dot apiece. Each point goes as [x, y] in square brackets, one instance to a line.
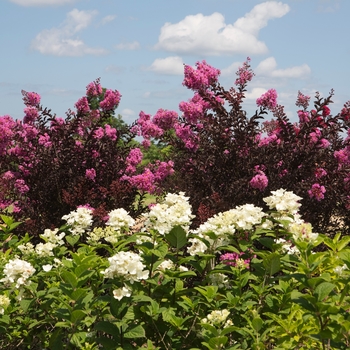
[52, 240]
[4, 303]
[175, 210]
[218, 318]
[287, 247]
[220, 280]
[119, 220]
[17, 271]
[224, 225]
[283, 201]
[79, 220]
[127, 265]
[106, 233]
[120, 293]
[340, 269]
[302, 232]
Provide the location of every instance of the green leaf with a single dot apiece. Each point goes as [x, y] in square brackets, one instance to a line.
[107, 327]
[257, 323]
[56, 342]
[72, 240]
[218, 342]
[177, 237]
[272, 263]
[135, 332]
[70, 278]
[343, 243]
[77, 315]
[323, 290]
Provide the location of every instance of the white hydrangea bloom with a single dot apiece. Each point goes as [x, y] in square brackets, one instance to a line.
[127, 265]
[27, 248]
[166, 265]
[47, 267]
[219, 279]
[247, 216]
[287, 247]
[175, 210]
[52, 236]
[45, 249]
[216, 317]
[302, 232]
[340, 269]
[80, 220]
[119, 219]
[99, 233]
[283, 201]
[4, 303]
[197, 247]
[120, 293]
[17, 271]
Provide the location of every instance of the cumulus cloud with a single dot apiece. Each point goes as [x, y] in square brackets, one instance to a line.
[231, 69]
[135, 45]
[41, 2]
[127, 112]
[172, 65]
[268, 67]
[63, 40]
[210, 35]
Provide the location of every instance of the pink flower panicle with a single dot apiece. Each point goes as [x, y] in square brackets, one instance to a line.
[30, 114]
[82, 105]
[90, 174]
[111, 100]
[317, 191]
[244, 73]
[165, 119]
[44, 140]
[302, 100]
[31, 99]
[268, 99]
[232, 259]
[303, 116]
[320, 172]
[146, 128]
[111, 132]
[132, 160]
[194, 109]
[94, 89]
[200, 78]
[259, 181]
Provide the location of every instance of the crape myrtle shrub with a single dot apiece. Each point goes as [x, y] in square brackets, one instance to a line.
[50, 165]
[222, 157]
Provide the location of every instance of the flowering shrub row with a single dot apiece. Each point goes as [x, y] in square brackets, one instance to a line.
[223, 158]
[244, 279]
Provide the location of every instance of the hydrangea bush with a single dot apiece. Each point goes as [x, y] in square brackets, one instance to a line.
[223, 158]
[246, 278]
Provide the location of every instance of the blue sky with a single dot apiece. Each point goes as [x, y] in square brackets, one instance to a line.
[57, 47]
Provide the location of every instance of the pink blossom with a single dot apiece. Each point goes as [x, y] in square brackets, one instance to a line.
[21, 186]
[111, 132]
[302, 100]
[165, 119]
[99, 133]
[90, 174]
[200, 78]
[185, 133]
[111, 100]
[194, 109]
[93, 89]
[244, 73]
[320, 172]
[143, 182]
[133, 159]
[317, 191]
[232, 258]
[82, 105]
[303, 116]
[146, 127]
[326, 111]
[259, 181]
[30, 114]
[44, 140]
[31, 99]
[342, 156]
[268, 99]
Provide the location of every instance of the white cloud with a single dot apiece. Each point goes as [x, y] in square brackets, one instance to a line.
[135, 45]
[62, 41]
[172, 65]
[126, 112]
[41, 2]
[231, 70]
[108, 19]
[210, 35]
[255, 93]
[268, 67]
